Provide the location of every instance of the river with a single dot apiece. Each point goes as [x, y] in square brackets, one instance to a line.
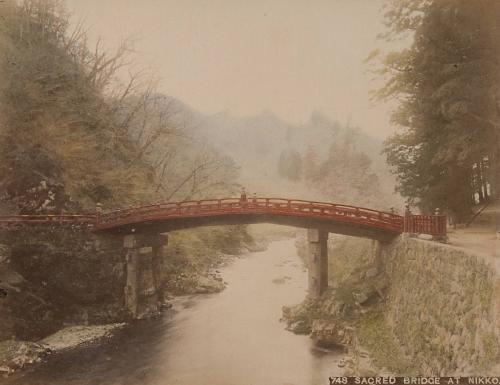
[230, 338]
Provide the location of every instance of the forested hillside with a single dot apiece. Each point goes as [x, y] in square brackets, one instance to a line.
[72, 135]
[60, 127]
[446, 151]
[320, 159]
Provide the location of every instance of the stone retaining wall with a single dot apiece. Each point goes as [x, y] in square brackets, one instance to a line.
[443, 305]
[52, 277]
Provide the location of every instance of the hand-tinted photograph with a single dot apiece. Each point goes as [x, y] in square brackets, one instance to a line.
[234, 192]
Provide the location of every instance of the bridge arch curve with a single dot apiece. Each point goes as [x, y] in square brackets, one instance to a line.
[327, 217]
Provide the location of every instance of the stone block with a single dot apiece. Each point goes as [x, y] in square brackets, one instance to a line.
[163, 240]
[313, 235]
[146, 250]
[317, 236]
[318, 262]
[372, 272]
[130, 241]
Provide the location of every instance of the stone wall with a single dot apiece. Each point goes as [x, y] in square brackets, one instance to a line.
[443, 305]
[52, 277]
[144, 286]
[59, 276]
[418, 307]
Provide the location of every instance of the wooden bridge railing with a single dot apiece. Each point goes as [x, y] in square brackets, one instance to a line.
[277, 206]
[421, 224]
[425, 224]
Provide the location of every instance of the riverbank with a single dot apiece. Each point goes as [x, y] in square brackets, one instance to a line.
[17, 355]
[203, 277]
[409, 307]
[194, 258]
[234, 337]
[52, 278]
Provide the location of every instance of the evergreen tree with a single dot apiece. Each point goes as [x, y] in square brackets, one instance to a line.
[290, 165]
[346, 176]
[447, 86]
[310, 163]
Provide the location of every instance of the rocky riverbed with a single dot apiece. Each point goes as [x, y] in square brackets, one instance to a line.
[33, 309]
[234, 337]
[16, 355]
[347, 315]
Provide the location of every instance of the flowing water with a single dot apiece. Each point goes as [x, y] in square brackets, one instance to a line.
[231, 338]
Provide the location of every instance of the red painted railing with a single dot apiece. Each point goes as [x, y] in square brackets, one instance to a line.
[276, 206]
[425, 224]
[422, 224]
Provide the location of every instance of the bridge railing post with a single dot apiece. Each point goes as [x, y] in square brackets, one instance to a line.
[407, 222]
[98, 212]
[439, 224]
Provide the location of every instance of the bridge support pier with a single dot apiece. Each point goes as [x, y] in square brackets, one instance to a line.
[318, 262]
[144, 261]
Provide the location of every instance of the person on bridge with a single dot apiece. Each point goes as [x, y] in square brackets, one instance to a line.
[243, 197]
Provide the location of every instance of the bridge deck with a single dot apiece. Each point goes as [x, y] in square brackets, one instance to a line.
[253, 209]
[169, 216]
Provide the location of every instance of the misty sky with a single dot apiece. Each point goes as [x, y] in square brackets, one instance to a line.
[287, 56]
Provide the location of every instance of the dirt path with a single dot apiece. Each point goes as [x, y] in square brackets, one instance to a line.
[481, 235]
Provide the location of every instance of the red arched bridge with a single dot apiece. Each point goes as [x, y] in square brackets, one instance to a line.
[169, 216]
[142, 229]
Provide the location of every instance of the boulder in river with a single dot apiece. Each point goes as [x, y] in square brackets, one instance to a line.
[4, 254]
[330, 334]
[15, 355]
[209, 284]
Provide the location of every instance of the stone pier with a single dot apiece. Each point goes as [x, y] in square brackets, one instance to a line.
[318, 262]
[144, 258]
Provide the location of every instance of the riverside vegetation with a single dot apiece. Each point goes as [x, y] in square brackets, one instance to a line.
[56, 278]
[416, 307]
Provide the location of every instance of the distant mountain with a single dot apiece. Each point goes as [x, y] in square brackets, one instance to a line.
[256, 143]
